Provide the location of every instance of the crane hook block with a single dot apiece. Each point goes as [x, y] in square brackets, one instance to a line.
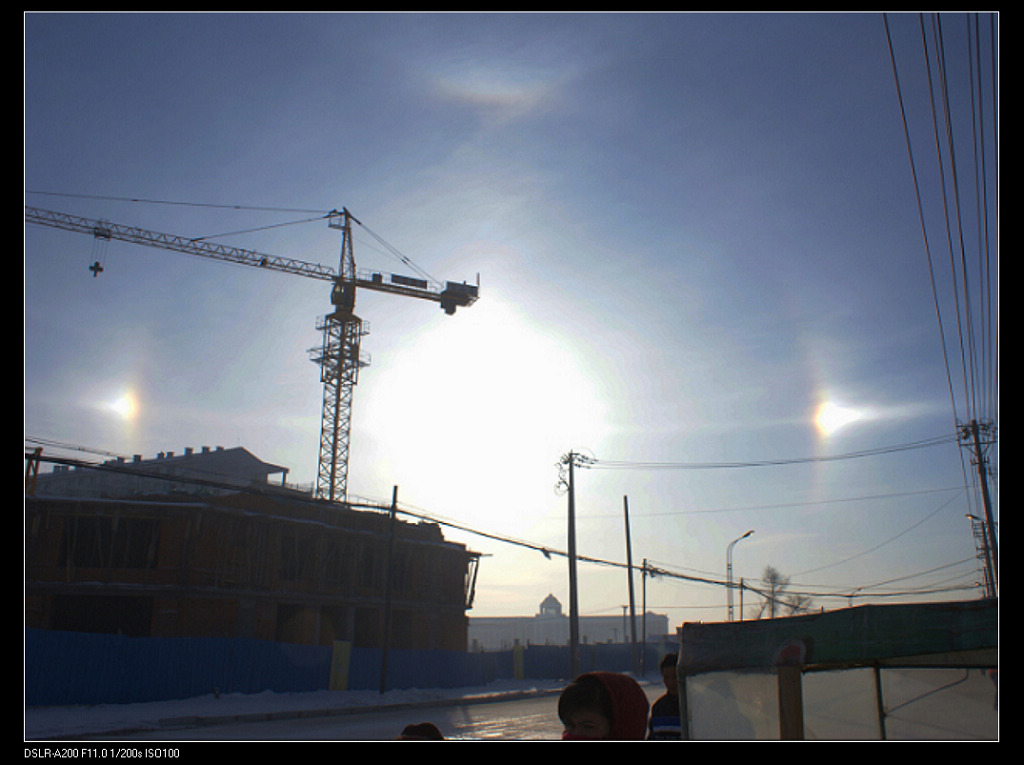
[96, 268]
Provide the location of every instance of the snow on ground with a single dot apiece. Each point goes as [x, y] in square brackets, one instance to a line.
[47, 723]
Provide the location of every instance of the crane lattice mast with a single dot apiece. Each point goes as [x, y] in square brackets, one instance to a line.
[338, 355]
[339, 360]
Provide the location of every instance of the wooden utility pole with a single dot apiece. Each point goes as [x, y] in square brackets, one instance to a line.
[643, 618]
[574, 609]
[973, 432]
[632, 599]
[572, 460]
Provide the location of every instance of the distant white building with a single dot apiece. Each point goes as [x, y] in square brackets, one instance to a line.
[549, 626]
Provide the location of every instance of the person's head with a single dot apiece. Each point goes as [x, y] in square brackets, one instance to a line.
[423, 731]
[603, 705]
[668, 673]
[585, 709]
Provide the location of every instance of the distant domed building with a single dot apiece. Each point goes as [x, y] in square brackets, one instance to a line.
[550, 607]
[549, 626]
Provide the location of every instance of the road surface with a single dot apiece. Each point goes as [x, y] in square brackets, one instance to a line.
[525, 719]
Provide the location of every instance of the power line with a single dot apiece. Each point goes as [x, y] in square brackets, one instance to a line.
[880, 545]
[783, 505]
[626, 465]
[973, 313]
[847, 591]
[72, 447]
[920, 213]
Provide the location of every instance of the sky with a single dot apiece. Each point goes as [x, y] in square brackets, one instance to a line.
[699, 247]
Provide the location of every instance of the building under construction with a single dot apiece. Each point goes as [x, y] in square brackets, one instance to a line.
[234, 556]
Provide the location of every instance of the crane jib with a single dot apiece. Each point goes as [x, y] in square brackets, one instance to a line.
[453, 295]
[105, 230]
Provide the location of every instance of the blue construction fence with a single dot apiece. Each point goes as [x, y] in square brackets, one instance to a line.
[67, 668]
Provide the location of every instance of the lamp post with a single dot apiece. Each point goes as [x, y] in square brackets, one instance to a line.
[728, 567]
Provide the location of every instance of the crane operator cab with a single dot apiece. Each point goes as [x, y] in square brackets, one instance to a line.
[343, 296]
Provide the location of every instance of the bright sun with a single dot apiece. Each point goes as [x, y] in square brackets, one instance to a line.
[830, 417]
[124, 407]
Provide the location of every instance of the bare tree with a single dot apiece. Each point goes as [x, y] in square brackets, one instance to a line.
[776, 601]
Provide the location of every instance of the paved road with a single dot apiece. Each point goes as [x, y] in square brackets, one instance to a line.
[528, 719]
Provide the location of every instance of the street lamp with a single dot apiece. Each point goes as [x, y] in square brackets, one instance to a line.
[728, 567]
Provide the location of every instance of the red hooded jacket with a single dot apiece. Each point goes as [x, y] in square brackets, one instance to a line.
[629, 705]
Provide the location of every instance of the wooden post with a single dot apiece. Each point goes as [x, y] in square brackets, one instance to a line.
[791, 704]
[879, 703]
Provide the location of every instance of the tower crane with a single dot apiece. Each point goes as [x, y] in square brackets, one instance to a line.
[341, 330]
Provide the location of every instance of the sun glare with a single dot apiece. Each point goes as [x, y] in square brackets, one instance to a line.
[124, 407]
[502, 382]
[830, 417]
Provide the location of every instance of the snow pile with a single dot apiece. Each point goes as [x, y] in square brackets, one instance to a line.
[43, 723]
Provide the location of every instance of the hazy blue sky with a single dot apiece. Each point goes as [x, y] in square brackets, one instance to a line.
[691, 231]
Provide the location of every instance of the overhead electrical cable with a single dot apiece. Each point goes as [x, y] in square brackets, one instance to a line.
[778, 505]
[891, 539]
[973, 301]
[921, 217]
[846, 591]
[627, 465]
[951, 197]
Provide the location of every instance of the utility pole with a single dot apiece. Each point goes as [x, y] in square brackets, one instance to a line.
[572, 460]
[973, 433]
[574, 606]
[632, 600]
[643, 618]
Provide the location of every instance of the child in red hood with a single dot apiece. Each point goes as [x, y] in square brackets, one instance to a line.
[603, 705]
